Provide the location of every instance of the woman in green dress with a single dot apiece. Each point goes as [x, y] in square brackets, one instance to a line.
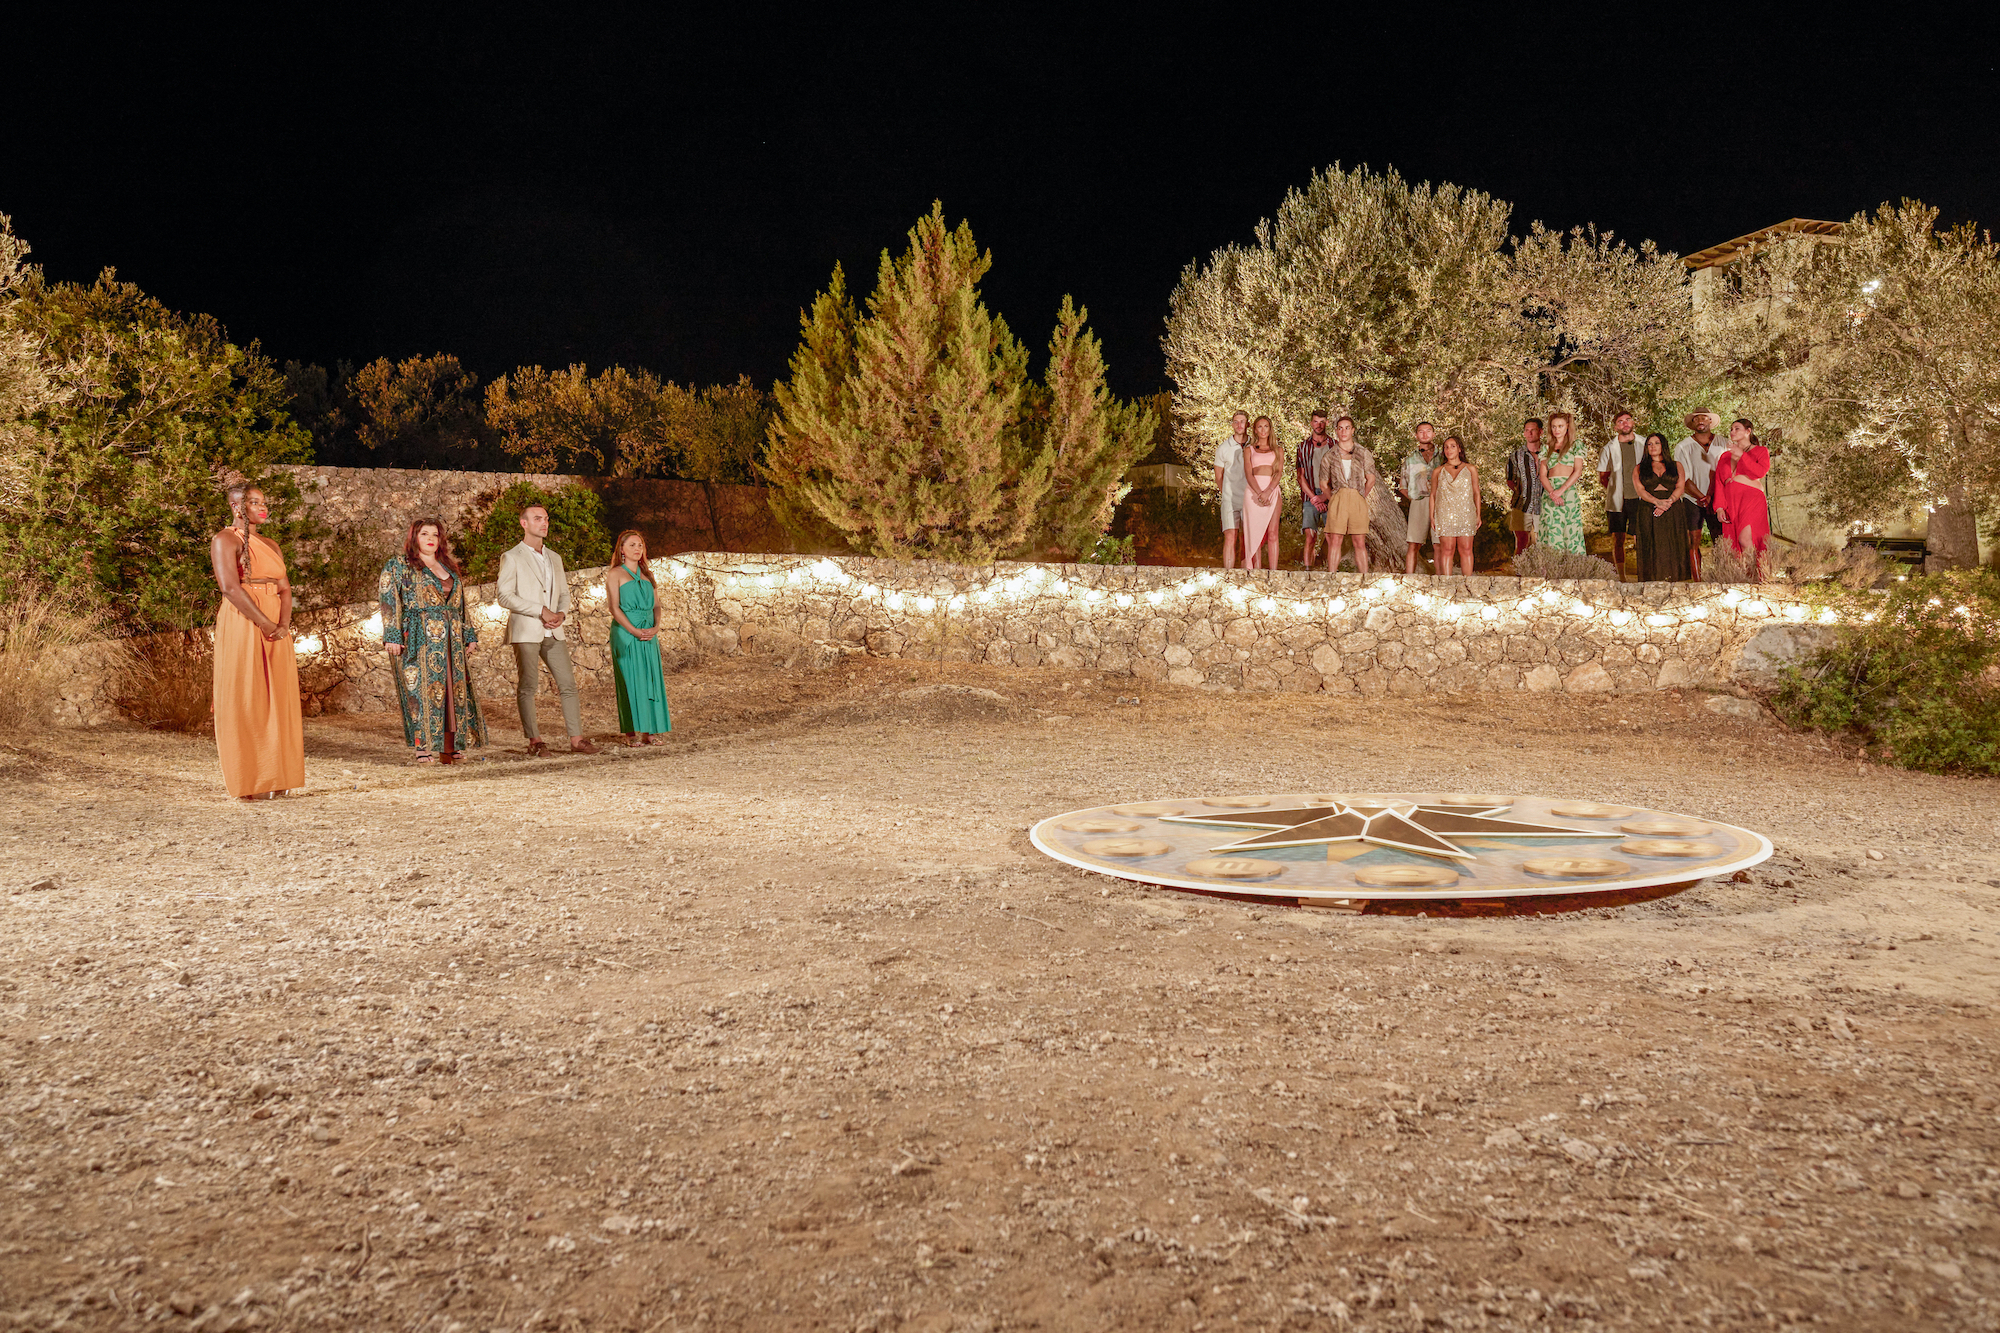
[642, 687]
[429, 638]
[1562, 468]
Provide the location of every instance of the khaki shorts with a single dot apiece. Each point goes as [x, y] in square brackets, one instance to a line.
[1346, 513]
[1419, 522]
[1232, 510]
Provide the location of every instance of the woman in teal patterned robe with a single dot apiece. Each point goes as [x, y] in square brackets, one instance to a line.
[428, 636]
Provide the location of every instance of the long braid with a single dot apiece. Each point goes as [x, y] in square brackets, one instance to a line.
[239, 503]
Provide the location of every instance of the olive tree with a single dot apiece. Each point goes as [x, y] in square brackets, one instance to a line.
[1881, 349]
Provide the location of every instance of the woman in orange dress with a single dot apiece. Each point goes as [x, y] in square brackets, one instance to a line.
[258, 730]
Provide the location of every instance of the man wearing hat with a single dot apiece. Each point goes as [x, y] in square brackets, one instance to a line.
[1697, 455]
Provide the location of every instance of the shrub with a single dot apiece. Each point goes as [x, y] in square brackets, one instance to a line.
[171, 683]
[576, 529]
[1919, 679]
[1545, 562]
[1493, 544]
[42, 635]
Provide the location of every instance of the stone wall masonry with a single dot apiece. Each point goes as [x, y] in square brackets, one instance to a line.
[1208, 629]
[379, 503]
[1230, 630]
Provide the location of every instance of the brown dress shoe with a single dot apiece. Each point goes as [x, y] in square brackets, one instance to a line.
[536, 749]
[582, 745]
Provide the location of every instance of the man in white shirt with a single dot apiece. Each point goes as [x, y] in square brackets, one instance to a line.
[1413, 483]
[535, 591]
[1229, 484]
[1614, 474]
[1697, 455]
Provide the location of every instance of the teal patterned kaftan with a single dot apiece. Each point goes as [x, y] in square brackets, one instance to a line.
[428, 617]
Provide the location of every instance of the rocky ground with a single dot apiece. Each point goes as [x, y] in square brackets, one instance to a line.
[786, 1025]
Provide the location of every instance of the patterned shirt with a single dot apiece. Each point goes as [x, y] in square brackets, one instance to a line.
[1526, 477]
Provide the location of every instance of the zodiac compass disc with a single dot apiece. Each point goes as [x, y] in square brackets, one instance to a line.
[1348, 850]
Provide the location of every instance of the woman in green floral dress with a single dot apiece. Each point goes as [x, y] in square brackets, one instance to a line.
[428, 636]
[1562, 468]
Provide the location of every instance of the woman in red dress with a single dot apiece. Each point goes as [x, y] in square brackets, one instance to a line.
[1741, 501]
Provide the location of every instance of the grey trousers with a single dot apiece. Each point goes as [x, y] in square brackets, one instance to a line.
[528, 659]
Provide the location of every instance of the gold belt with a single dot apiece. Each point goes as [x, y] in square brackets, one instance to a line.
[272, 582]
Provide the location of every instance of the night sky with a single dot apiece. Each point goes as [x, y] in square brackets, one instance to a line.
[644, 191]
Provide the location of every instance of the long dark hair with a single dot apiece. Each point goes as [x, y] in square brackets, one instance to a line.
[618, 553]
[1745, 423]
[1646, 454]
[1444, 458]
[415, 557]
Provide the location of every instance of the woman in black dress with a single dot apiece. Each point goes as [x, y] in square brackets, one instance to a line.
[1663, 542]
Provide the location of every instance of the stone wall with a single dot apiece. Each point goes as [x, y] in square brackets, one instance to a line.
[1229, 630]
[379, 503]
[1206, 629]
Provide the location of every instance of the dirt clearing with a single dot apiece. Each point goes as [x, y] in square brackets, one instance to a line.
[786, 1025]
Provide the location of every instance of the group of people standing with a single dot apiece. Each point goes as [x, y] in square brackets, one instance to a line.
[1662, 497]
[1337, 480]
[428, 634]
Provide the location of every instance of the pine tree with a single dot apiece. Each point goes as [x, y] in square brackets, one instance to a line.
[1094, 439]
[913, 430]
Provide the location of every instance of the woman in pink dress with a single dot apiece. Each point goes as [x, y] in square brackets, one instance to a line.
[1263, 502]
[1741, 501]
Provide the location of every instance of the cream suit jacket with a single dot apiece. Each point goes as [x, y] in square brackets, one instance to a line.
[525, 588]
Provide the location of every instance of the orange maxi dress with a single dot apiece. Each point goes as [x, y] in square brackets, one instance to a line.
[258, 730]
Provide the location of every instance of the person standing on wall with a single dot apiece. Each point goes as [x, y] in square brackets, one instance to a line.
[428, 634]
[1229, 485]
[1347, 475]
[1742, 501]
[1661, 526]
[1312, 497]
[1697, 456]
[1524, 485]
[259, 728]
[1264, 501]
[535, 592]
[1413, 485]
[1454, 503]
[1614, 474]
[1561, 466]
[631, 591]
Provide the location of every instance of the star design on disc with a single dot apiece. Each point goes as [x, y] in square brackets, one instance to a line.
[1408, 827]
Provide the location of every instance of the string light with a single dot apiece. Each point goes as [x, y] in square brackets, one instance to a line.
[926, 604]
[494, 612]
[1620, 617]
[1549, 597]
[309, 646]
[1732, 597]
[1489, 612]
[1336, 606]
[1827, 617]
[1123, 599]
[1796, 612]
[1266, 605]
[894, 601]
[1656, 620]
[372, 627]
[1301, 608]
[1755, 608]
[1696, 613]
[1156, 597]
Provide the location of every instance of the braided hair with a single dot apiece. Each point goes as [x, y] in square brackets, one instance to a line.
[239, 507]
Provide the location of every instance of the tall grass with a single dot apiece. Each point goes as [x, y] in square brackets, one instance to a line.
[49, 641]
[1545, 562]
[170, 682]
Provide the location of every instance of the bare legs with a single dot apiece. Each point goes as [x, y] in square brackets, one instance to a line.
[1269, 549]
[1446, 547]
[1333, 542]
[1417, 554]
[1230, 536]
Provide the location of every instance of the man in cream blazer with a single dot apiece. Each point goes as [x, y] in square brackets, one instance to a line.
[535, 591]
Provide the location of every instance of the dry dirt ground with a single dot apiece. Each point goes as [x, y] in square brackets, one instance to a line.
[787, 1025]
